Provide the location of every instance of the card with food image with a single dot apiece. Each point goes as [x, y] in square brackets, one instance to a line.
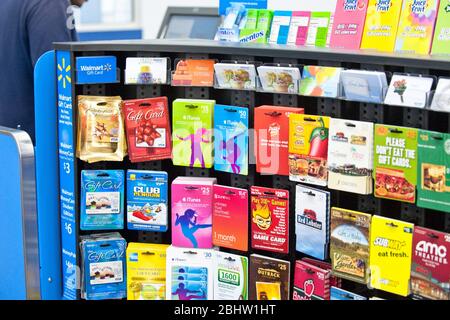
[433, 190]
[235, 76]
[279, 79]
[308, 148]
[349, 244]
[395, 163]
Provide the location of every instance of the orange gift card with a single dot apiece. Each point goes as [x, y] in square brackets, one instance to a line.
[195, 73]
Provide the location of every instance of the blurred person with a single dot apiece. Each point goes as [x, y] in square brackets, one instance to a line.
[28, 29]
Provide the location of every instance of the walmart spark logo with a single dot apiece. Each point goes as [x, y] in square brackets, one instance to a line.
[64, 73]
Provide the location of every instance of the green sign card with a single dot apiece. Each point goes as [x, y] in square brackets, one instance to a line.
[395, 163]
[441, 43]
[433, 190]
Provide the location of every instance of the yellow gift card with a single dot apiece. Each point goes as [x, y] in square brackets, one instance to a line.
[390, 255]
[146, 271]
[380, 29]
[308, 148]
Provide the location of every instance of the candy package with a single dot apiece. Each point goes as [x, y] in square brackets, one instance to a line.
[103, 267]
[147, 200]
[101, 134]
[146, 271]
[147, 124]
[102, 199]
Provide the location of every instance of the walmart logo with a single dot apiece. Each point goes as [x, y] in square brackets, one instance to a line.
[64, 73]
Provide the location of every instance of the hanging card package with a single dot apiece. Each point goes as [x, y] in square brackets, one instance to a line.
[102, 199]
[390, 255]
[430, 264]
[311, 282]
[340, 294]
[192, 136]
[268, 278]
[147, 200]
[230, 277]
[189, 274]
[271, 126]
[230, 218]
[395, 165]
[101, 134]
[103, 266]
[192, 205]
[349, 244]
[308, 149]
[433, 190]
[312, 218]
[350, 156]
[270, 219]
[146, 271]
[147, 124]
[231, 139]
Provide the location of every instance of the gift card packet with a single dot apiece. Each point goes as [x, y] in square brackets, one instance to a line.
[350, 156]
[102, 199]
[192, 137]
[433, 189]
[395, 163]
[147, 200]
[308, 149]
[194, 73]
[103, 267]
[298, 30]
[441, 98]
[311, 282]
[231, 139]
[318, 81]
[231, 277]
[279, 79]
[409, 91]
[340, 294]
[312, 212]
[230, 218]
[349, 244]
[430, 268]
[235, 76]
[364, 86]
[268, 278]
[192, 206]
[185, 264]
[270, 219]
[318, 30]
[145, 71]
[390, 255]
[441, 41]
[271, 127]
[146, 271]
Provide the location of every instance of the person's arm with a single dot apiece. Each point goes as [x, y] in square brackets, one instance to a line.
[48, 21]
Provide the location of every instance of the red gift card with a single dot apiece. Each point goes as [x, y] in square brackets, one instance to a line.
[148, 129]
[334, 281]
[270, 219]
[272, 139]
[430, 273]
[311, 282]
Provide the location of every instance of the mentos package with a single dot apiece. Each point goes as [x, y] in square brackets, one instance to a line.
[230, 277]
[430, 264]
[192, 206]
[147, 124]
[103, 267]
[102, 199]
[311, 282]
[312, 221]
[189, 274]
[147, 200]
[231, 139]
[271, 139]
[192, 136]
[146, 271]
[270, 219]
[230, 218]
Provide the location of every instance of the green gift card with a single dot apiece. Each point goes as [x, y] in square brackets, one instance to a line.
[395, 155]
[318, 31]
[433, 190]
[192, 133]
[441, 42]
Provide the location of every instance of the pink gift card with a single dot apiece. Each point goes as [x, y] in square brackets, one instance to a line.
[298, 30]
[311, 282]
[348, 25]
[192, 205]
